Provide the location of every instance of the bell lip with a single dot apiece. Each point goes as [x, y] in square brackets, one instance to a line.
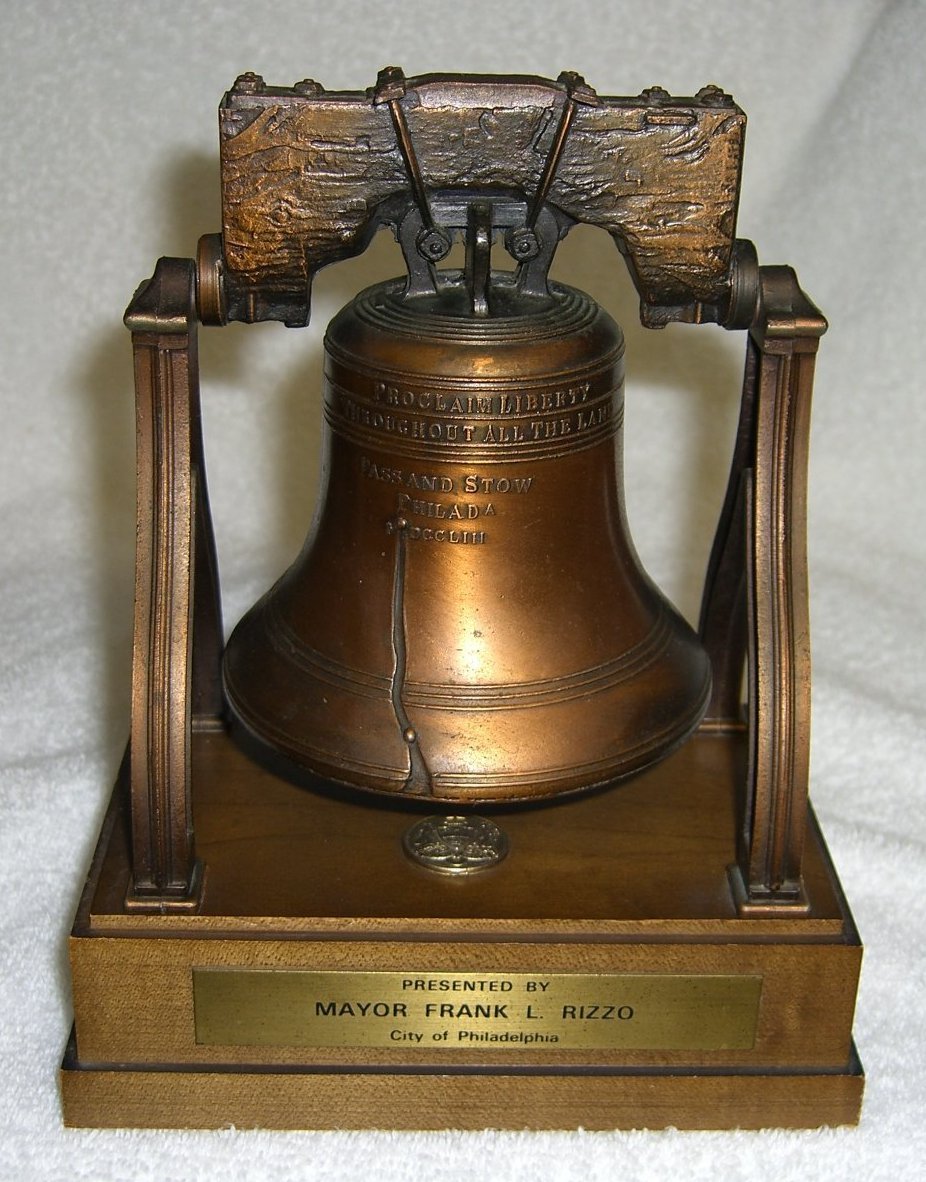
[292, 765]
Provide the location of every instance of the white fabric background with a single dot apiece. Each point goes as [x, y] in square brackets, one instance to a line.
[108, 146]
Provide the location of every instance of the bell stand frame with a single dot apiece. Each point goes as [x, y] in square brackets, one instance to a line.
[754, 608]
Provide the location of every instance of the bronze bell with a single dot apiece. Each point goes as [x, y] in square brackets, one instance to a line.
[468, 620]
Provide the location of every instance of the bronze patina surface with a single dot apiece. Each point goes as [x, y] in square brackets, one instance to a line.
[308, 174]
[468, 620]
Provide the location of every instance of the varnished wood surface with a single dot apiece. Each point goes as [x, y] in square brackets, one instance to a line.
[304, 1100]
[647, 858]
[633, 879]
[133, 998]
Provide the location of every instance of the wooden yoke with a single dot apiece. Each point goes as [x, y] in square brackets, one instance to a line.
[174, 687]
[755, 605]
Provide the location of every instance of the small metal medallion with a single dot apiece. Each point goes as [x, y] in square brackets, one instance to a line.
[455, 845]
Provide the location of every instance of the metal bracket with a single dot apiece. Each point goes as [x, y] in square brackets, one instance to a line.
[175, 688]
[755, 606]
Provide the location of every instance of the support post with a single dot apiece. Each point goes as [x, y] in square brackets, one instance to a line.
[755, 605]
[176, 593]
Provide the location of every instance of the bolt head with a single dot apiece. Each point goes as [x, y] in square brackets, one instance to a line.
[433, 245]
[522, 244]
[249, 83]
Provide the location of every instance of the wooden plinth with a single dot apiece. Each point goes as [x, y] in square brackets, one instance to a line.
[631, 880]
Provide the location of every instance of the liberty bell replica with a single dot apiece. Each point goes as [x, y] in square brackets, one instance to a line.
[468, 620]
[318, 900]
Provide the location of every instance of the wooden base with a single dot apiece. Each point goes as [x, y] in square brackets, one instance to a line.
[280, 1099]
[628, 881]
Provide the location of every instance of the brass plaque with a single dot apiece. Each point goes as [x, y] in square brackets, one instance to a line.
[501, 1011]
